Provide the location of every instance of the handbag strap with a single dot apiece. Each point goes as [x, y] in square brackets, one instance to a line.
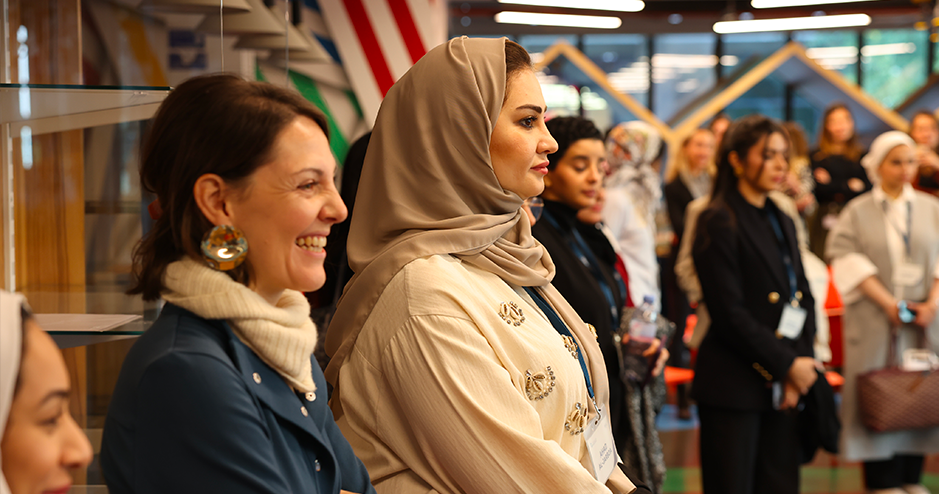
[923, 342]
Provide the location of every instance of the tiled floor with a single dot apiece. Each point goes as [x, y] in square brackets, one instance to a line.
[826, 474]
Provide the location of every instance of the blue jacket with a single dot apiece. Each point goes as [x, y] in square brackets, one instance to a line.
[195, 410]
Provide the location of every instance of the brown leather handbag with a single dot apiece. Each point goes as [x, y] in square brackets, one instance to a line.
[892, 399]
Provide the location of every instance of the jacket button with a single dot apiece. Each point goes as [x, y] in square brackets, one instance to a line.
[798, 295]
[773, 297]
[316, 463]
[756, 365]
[257, 377]
[311, 396]
[304, 412]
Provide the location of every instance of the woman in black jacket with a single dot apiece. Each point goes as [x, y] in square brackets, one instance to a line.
[756, 360]
[836, 168]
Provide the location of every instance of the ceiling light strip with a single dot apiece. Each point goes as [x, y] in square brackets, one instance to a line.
[562, 20]
[792, 23]
[612, 5]
[774, 4]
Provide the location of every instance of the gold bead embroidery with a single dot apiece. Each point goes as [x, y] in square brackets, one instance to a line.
[511, 313]
[576, 420]
[571, 345]
[593, 331]
[539, 386]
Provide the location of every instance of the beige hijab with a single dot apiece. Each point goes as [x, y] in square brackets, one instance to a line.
[428, 188]
[11, 331]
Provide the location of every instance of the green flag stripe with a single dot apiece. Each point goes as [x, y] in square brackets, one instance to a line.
[307, 87]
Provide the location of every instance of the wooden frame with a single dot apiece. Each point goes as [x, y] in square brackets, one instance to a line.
[926, 97]
[825, 86]
[595, 73]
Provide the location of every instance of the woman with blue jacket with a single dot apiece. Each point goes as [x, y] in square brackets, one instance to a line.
[221, 394]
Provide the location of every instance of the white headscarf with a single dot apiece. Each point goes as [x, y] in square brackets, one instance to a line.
[880, 148]
[11, 333]
[631, 148]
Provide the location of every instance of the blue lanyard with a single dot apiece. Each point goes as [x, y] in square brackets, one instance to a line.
[562, 329]
[786, 256]
[909, 226]
[583, 252]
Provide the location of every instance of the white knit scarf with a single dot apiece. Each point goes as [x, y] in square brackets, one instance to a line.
[283, 336]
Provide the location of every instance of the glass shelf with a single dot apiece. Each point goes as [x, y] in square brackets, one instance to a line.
[47, 108]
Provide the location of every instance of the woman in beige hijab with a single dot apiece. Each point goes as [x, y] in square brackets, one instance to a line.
[448, 374]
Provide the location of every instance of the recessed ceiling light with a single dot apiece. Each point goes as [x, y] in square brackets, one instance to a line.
[772, 4]
[792, 23]
[563, 20]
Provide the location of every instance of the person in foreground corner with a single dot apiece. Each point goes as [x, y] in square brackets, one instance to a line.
[222, 394]
[457, 366]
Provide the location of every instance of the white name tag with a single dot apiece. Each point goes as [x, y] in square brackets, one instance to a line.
[791, 322]
[908, 274]
[603, 455]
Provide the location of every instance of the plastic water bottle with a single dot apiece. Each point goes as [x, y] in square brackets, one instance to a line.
[642, 329]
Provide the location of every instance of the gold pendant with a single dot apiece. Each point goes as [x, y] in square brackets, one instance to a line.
[511, 313]
[571, 345]
[576, 420]
[539, 386]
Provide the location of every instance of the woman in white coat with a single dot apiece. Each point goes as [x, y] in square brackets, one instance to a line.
[884, 250]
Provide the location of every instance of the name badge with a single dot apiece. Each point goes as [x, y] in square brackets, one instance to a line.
[908, 274]
[599, 437]
[791, 322]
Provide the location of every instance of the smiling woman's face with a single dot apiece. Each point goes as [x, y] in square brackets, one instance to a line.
[520, 142]
[41, 441]
[287, 210]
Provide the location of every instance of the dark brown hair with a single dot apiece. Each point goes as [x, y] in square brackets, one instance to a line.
[852, 148]
[217, 124]
[566, 131]
[516, 59]
[798, 145]
[740, 137]
[924, 113]
[26, 316]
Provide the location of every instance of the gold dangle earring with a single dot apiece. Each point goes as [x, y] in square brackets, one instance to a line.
[224, 247]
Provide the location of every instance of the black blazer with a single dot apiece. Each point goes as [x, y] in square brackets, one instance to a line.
[745, 286]
[677, 198]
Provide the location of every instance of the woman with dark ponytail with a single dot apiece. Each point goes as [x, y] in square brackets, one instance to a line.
[756, 359]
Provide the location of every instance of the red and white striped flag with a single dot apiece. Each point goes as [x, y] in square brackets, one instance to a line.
[379, 40]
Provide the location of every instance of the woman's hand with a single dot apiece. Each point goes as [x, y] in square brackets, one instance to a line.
[805, 202]
[893, 314]
[660, 363]
[925, 313]
[790, 396]
[822, 176]
[802, 374]
[855, 184]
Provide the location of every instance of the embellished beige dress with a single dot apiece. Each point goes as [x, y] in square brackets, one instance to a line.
[444, 392]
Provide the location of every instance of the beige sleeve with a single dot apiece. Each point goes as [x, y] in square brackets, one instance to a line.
[684, 263]
[467, 416]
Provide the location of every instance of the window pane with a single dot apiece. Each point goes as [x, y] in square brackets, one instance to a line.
[768, 98]
[682, 68]
[741, 49]
[625, 59]
[893, 62]
[537, 43]
[836, 50]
